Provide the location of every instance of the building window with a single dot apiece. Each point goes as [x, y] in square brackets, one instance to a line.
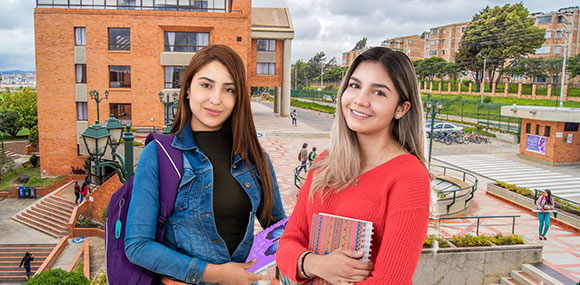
[443, 31]
[463, 29]
[119, 39]
[547, 131]
[174, 76]
[528, 128]
[435, 31]
[82, 114]
[408, 51]
[548, 34]
[558, 35]
[433, 42]
[185, 41]
[537, 129]
[571, 127]
[543, 49]
[119, 76]
[443, 41]
[560, 18]
[266, 68]
[81, 73]
[540, 79]
[544, 20]
[442, 52]
[557, 49]
[266, 45]
[80, 36]
[433, 52]
[122, 112]
[409, 42]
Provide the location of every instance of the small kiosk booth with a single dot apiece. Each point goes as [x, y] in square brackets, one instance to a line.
[548, 134]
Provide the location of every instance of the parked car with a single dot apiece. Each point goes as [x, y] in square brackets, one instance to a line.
[428, 124]
[328, 98]
[444, 127]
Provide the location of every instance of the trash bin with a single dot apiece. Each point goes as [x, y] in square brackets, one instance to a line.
[26, 192]
[21, 192]
[32, 192]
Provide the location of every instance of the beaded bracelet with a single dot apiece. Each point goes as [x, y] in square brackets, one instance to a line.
[301, 264]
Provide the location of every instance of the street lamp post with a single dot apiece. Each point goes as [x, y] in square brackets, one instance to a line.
[433, 110]
[483, 77]
[97, 137]
[169, 107]
[95, 96]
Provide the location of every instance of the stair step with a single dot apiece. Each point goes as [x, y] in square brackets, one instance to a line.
[20, 252]
[45, 222]
[19, 279]
[61, 209]
[43, 228]
[540, 275]
[16, 268]
[523, 278]
[48, 219]
[50, 211]
[60, 202]
[8, 260]
[64, 200]
[27, 247]
[508, 281]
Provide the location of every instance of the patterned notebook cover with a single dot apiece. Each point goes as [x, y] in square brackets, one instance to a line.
[265, 246]
[330, 232]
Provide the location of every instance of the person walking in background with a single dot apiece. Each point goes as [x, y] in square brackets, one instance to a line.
[375, 170]
[77, 192]
[312, 155]
[28, 257]
[84, 192]
[303, 158]
[544, 204]
[293, 116]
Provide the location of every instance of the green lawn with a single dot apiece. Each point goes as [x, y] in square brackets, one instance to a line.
[22, 135]
[7, 181]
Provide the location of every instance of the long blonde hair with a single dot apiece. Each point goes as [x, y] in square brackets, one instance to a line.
[344, 162]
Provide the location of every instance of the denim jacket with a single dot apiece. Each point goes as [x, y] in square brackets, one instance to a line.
[191, 238]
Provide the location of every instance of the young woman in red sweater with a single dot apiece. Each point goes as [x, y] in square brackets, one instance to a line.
[375, 170]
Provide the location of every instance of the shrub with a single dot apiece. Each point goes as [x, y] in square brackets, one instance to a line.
[104, 215]
[10, 123]
[34, 160]
[429, 242]
[560, 203]
[470, 241]
[500, 239]
[58, 277]
[487, 99]
[33, 136]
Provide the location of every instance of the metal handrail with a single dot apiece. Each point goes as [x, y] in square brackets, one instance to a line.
[513, 217]
[465, 177]
[298, 179]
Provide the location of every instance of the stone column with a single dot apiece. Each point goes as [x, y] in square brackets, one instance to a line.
[431, 86]
[285, 98]
[519, 90]
[276, 101]
[493, 86]
[470, 87]
[534, 86]
[549, 93]
[440, 86]
[506, 90]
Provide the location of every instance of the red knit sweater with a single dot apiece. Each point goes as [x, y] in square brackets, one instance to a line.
[394, 196]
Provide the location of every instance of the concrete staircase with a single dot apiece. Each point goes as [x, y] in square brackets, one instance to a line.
[11, 255]
[50, 215]
[529, 275]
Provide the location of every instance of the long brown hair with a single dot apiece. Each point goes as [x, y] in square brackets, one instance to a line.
[344, 161]
[240, 122]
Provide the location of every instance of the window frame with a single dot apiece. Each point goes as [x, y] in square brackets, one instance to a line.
[83, 36]
[270, 66]
[270, 45]
[187, 47]
[528, 128]
[83, 70]
[547, 130]
[116, 46]
[571, 127]
[83, 107]
[122, 79]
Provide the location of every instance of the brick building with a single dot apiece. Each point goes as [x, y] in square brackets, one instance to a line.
[548, 134]
[443, 41]
[559, 24]
[136, 49]
[349, 56]
[412, 46]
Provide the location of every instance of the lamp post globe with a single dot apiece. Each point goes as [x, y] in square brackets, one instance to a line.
[115, 128]
[96, 138]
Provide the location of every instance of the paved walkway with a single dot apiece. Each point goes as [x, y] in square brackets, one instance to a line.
[561, 250]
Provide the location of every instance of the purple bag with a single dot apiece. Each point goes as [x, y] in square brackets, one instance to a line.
[119, 269]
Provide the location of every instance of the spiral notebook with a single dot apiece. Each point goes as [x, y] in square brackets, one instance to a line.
[330, 232]
[265, 246]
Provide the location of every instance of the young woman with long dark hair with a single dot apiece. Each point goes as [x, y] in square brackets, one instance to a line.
[227, 181]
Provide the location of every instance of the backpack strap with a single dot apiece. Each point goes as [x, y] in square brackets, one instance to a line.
[170, 173]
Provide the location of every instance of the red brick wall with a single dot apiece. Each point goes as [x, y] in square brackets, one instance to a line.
[54, 37]
[255, 80]
[556, 149]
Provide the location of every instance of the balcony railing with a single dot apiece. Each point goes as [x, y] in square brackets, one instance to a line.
[216, 6]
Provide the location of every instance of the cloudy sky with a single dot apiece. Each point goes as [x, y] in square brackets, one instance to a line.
[332, 26]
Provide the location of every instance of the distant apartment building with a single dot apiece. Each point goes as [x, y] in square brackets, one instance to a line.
[134, 50]
[559, 24]
[412, 46]
[349, 56]
[443, 41]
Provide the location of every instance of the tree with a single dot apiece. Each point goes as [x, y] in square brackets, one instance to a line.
[500, 35]
[10, 123]
[314, 65]
[299, 74]
[430, 67]
[23, 102]
[573, 66]
[360, 45]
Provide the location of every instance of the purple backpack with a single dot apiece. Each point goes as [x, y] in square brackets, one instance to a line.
[119, 269]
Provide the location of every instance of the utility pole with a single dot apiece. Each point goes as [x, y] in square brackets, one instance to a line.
[565, 33]
[321, 74]
[483, 77]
